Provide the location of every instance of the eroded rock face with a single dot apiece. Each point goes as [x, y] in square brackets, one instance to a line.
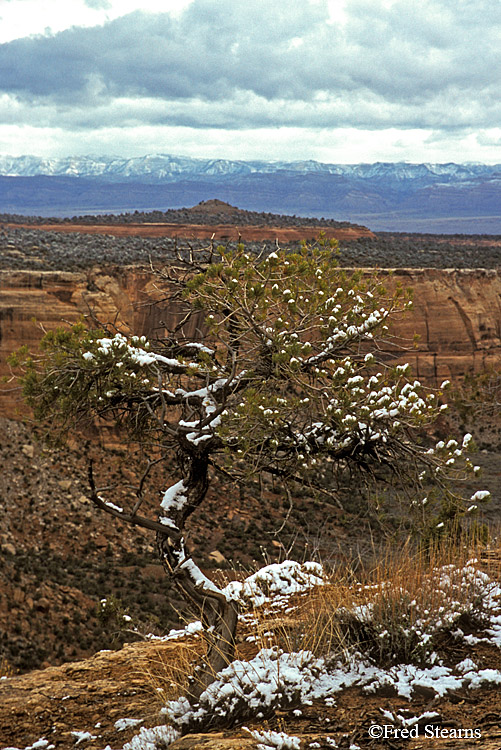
[59, 702]
[456, 314]
[218, 232]
[33, 302]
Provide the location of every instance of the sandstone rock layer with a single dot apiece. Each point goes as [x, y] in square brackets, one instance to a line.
[218, 232]
[456, 315]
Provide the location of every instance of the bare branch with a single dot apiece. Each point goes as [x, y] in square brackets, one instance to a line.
[129, 518]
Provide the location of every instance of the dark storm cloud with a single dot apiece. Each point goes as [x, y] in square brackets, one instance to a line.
[222, 63]
[211, 51]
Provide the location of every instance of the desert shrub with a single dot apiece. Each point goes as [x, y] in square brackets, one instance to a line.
[393, 612]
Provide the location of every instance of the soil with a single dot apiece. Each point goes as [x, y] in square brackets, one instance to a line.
[91, 695]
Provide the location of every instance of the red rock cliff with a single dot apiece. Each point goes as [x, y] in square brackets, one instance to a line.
[457, 314]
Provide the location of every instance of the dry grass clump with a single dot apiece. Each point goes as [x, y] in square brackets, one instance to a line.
[395, 611]
[168, 669]
[6, 669]
[391, 612]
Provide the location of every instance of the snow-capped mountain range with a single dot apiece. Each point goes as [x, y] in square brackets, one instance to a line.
[165, 167]
[395, 196]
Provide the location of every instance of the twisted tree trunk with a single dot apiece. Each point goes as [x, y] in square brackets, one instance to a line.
[218, 614]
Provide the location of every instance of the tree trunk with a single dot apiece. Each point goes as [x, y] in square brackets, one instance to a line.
[218, 615]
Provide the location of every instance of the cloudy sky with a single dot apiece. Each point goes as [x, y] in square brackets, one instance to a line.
[332, 80]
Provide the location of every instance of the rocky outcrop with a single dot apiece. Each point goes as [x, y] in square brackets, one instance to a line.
[33, 302]
[87, 696]
[456, 314]
[106, 699]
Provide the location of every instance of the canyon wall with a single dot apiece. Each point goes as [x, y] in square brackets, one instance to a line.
[456, 314]
[33, 302]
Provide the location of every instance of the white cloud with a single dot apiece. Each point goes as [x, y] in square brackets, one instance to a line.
[98, 4]
[391, 78]
[21, 18]
[337, 145]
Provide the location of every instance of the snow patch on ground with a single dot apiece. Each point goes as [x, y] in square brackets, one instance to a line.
[147, 739]
[122, 724]
[83, 737]
[269, 740]
[274, 679]
[272, 585]
[193, 628]
[276, 583]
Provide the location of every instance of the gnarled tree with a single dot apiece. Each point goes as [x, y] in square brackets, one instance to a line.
[284, 376]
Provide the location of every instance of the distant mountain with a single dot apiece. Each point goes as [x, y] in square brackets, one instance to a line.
[384, 195]
[159, 168]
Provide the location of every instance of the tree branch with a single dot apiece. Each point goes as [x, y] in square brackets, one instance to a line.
[130, 518]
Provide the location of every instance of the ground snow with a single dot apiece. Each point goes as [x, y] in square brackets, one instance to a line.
[83, 737]
[193, 628]
[269, 740]
[272, 584]
[122, 724]
[275, 582]
[274, 678]
[147, 739]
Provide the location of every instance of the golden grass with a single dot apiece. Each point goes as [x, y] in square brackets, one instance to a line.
[167, 669]
[390, 611]
[6, 669]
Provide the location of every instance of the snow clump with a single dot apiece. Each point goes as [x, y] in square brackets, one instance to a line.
[122, 724]
[151, 739]
[269, 740]
[276, 583]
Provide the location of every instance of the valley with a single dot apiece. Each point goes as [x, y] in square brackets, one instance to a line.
[60, 557]
[384, 196]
